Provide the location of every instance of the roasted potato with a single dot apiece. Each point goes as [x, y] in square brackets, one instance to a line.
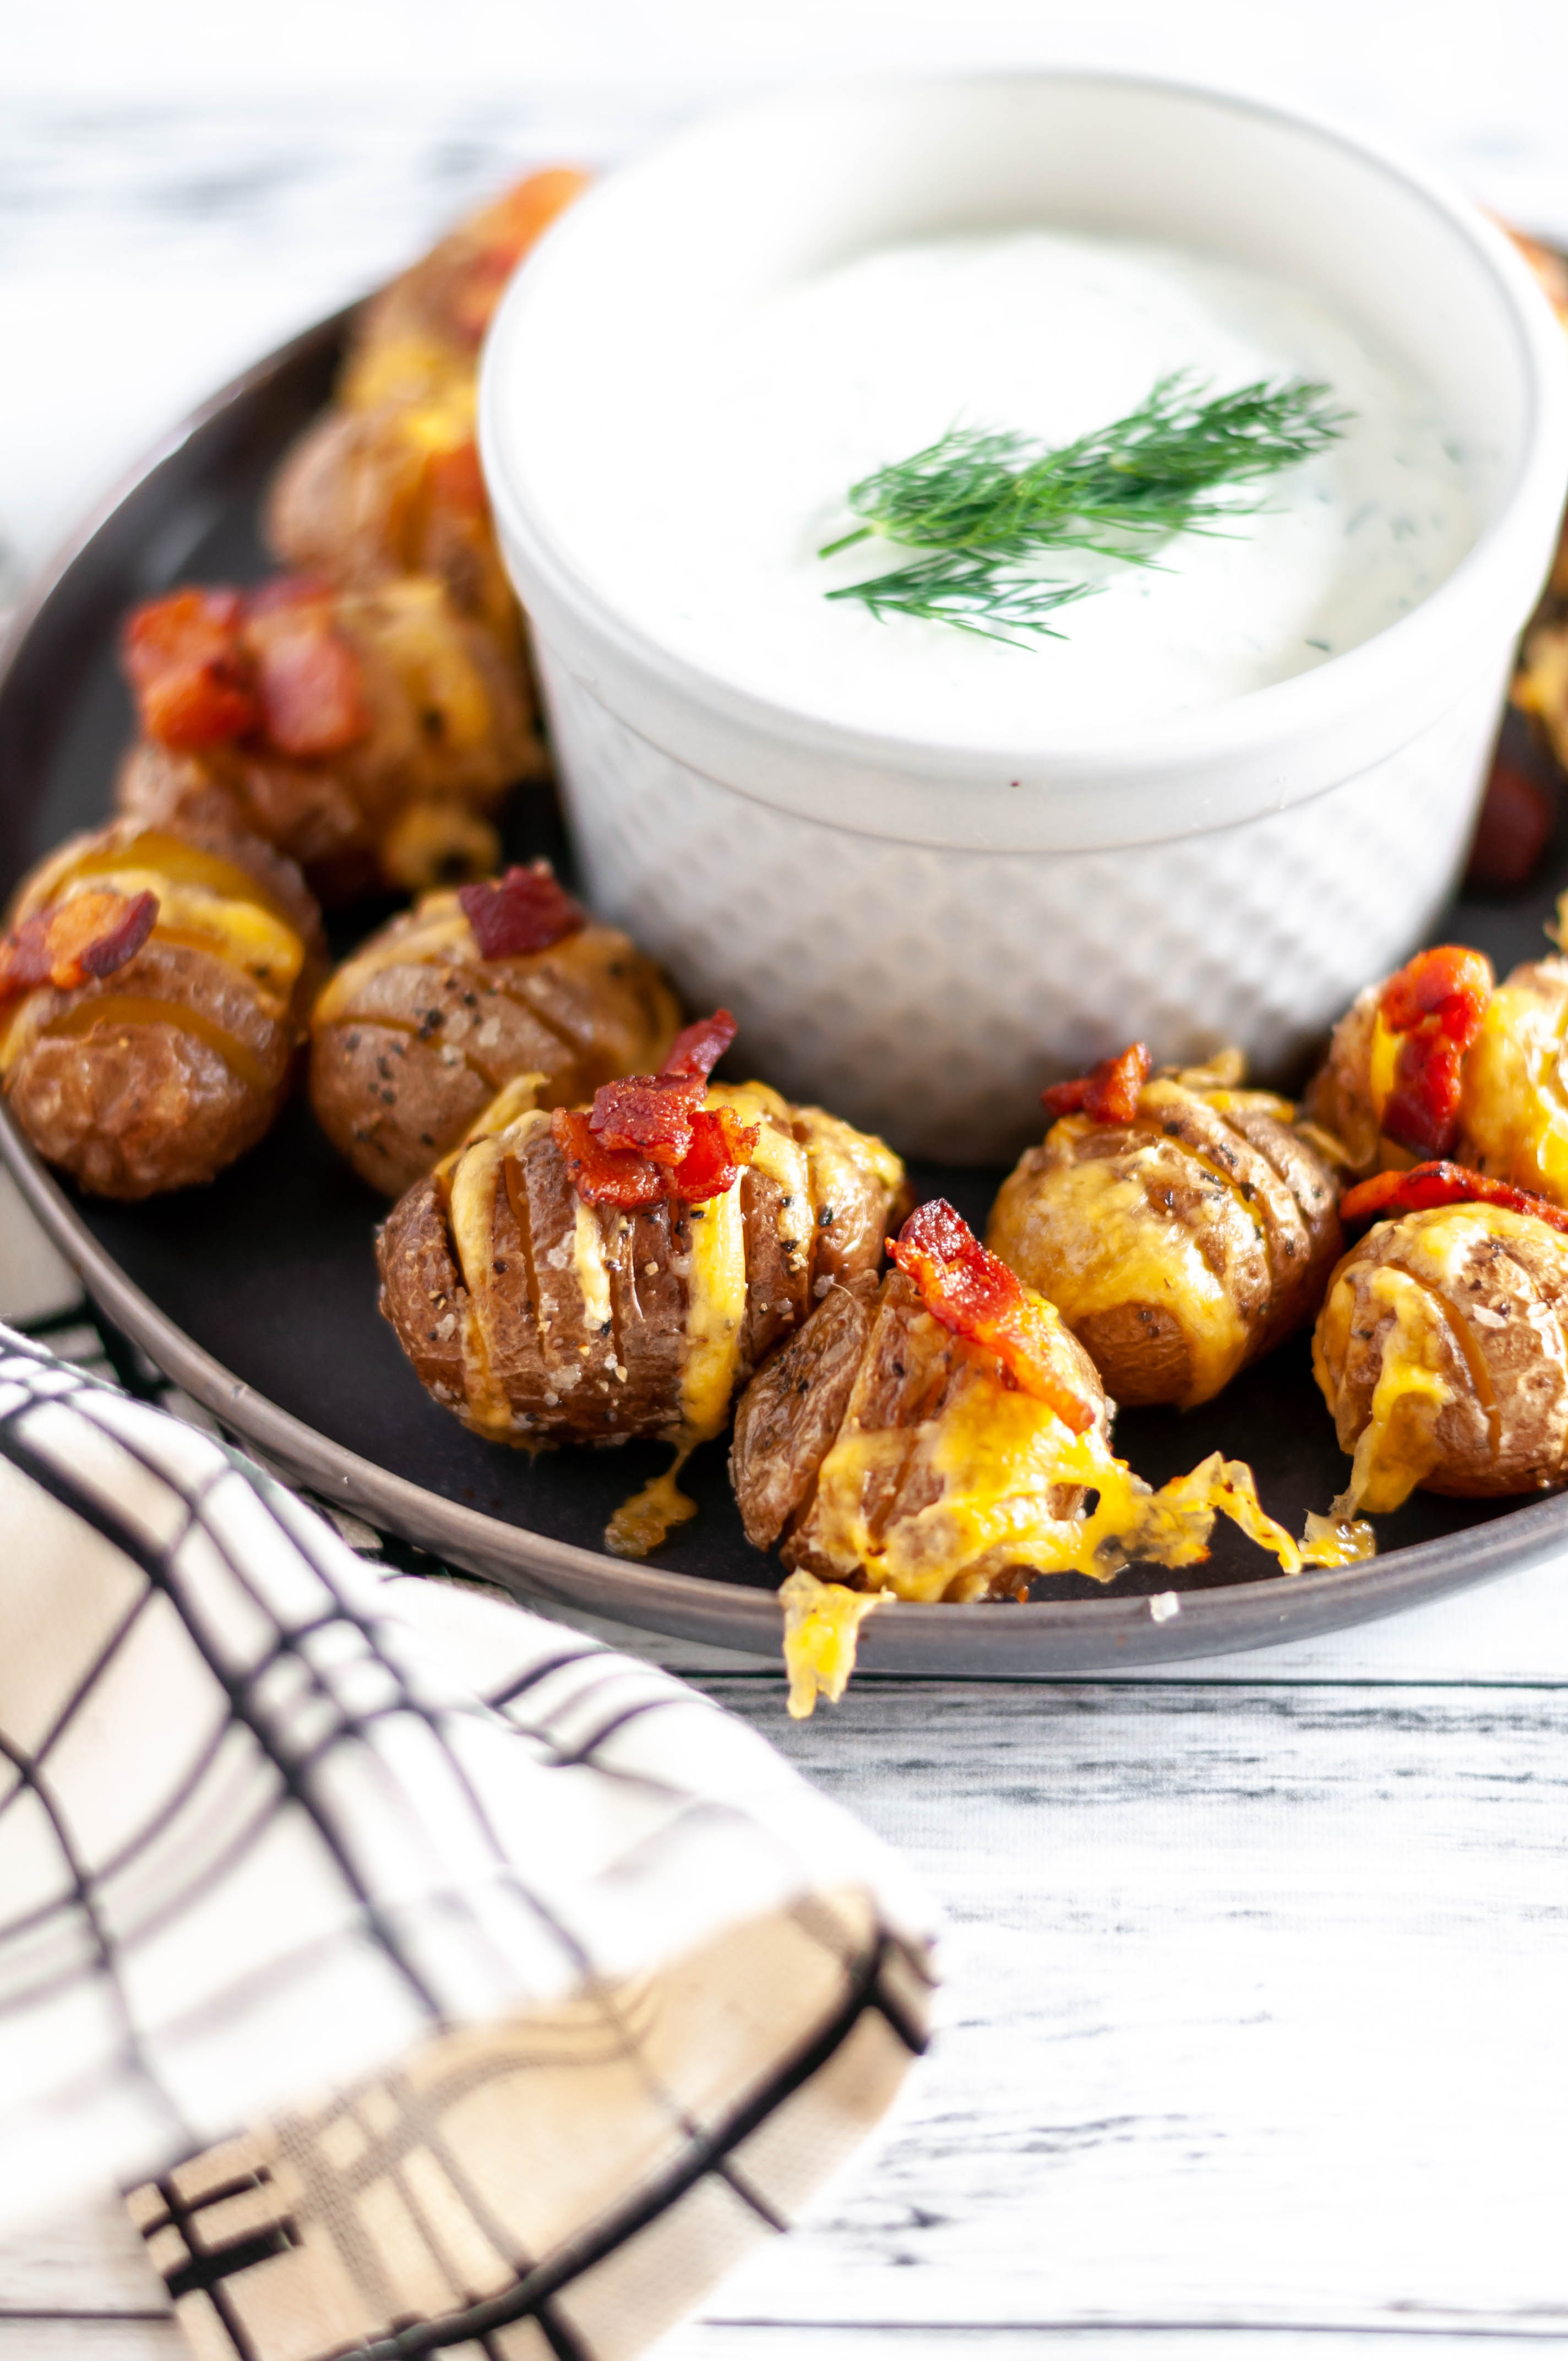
[878, 1445]
[533, 1314]
[367, 734]
[935, 1436]
[1481, 1076]
[420, 336]
[1181, 1230]
[416, 1033]
[365, 494]
[152, 992]
[1441, 1350]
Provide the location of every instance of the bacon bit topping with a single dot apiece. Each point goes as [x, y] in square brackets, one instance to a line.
[91, 935]
[699, 1048]
[524, 911]
[209, 665]
[1107, 1093]
[309, 679]
[1441, 1183]
[975, 1295]
[1436, 1002]
[648, 1138]
[1517, 817]
[648, 1116]
[189, 675]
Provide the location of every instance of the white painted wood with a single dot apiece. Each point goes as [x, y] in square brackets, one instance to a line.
[1254, 2010]
[92, 2340]
[1252, 2019]
[91, 2261]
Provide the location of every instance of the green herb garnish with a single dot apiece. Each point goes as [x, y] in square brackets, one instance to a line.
[986, 505]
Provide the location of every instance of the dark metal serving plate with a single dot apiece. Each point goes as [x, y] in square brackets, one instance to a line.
[259, 1295]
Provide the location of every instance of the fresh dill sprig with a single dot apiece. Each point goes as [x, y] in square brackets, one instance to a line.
[987, 505]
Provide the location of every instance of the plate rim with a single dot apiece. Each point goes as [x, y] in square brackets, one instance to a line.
[1087, 1635]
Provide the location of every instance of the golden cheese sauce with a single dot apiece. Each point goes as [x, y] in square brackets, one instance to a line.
[472, 1213]
[1514, 1114]
[1124, 1250]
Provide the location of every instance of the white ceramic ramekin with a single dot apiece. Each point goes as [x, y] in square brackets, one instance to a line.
[920, 935]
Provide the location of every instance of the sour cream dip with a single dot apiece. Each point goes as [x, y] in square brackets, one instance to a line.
[705, 520]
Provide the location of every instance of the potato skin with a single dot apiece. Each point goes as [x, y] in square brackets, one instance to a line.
[1340, 1097]
[417, 1033]
[1513, 1117]
[357, 499]
[1460, 1316]
[130, 1102]
[451, 727]
[1178, 1247]
[1513, 1107]
[872, 1361]
[499, 1327]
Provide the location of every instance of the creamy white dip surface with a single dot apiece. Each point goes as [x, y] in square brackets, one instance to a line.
[703, 524]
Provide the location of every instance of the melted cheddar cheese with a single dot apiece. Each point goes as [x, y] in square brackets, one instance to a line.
[1514, 1113]
[1106, 1245]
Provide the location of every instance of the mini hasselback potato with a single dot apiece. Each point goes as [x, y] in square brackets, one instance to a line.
[365, 494]
[1389, 1087]
[418, 1031]
[534, 1314]
[367, 733]
[935, 1436]
[154, 989]
[1438, 1061]
[1181, 1225]
[421, 333]
[1441, 1350]
[1513, 1111]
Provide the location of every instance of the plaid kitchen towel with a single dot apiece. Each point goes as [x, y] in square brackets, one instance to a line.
[436, 1980]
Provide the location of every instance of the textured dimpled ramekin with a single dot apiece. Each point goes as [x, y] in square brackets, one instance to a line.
[917, 935]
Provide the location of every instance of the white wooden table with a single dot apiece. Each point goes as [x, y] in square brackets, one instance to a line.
[1256, 2015]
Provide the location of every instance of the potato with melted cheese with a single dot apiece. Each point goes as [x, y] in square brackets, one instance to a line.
[369, 734]
[419, 1029]
[1441, 1350]
[879, 1443]
[421, 333]
[365, 495]
[936, 1436]
[1179, 1243]
[152, 997]
[534, 1315]
[1498, 1101]
[1513, 1115]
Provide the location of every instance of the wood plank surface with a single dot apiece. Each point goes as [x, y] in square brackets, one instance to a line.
[1253, 2020]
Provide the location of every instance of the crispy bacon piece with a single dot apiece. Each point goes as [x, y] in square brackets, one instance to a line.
[1437, 1003]
[1440, 1183]
[699, 1048]
[648, 1136]
[308, 677]
[1108, 1093]
[975, 1295]
[1516, 819]
[719, 1146]
[91, 935]
[525, 910]
[187, 669]
[207, 666]
[648, 1114]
